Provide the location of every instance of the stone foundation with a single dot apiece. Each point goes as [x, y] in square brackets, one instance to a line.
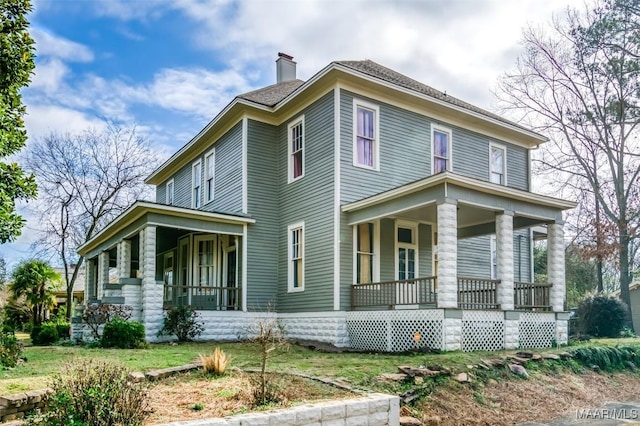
[17, 406]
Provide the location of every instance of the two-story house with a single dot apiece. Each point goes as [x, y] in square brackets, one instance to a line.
[360, 207]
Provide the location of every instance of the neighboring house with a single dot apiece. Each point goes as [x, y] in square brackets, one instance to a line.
[634, 295]
[361, 207]
[60, 293]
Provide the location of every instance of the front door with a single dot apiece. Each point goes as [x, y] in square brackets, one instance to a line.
[406, 262]
[231, 276]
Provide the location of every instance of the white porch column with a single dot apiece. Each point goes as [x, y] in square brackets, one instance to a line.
[447, 255]
[504, 254]
[555, 265]
[152, 292]
[103, 273]
[124, 259]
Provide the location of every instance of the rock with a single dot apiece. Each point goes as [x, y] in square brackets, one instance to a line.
[409, 421]
[519, 360]
[551, 356]
[470, 367]
[519, 370]
[392, 377]
[432, 420]
[492, 382]
[524, 354]
[493, 362]
[632, 366]
[595, 368]
[565, 355]
[536, 357]
[136, 377]
[422, 372]
[463, 378]
[418, 380]
[441, 369]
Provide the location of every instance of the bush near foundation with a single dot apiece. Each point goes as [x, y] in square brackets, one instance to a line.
[601, 315]
[183, 322]
[122, 334]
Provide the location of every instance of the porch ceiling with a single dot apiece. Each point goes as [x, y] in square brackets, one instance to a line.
[144, 213]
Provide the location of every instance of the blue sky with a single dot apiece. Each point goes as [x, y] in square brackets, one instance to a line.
[170, 66]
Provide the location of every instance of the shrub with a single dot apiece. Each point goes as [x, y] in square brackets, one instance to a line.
[215, 363]
[16, 314]
[122, 334]
[97, 315]
[10, 350]
[63, 329]
[601, 315]
[183, 322]
[44, 334]
[95, 393]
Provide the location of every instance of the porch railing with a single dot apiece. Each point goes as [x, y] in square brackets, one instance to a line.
[477, 293]
[416, 291]
[203, 297]
[532, 296]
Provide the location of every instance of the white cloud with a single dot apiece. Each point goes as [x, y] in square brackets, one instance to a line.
[42, 120]
[49, 75]
[48, 44]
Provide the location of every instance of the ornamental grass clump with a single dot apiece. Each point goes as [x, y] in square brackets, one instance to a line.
[215, 363]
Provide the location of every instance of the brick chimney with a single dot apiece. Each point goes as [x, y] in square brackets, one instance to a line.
[285, 68]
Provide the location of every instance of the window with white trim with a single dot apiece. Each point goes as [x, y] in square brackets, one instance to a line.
[497, 164]
[296, 257]
[440, 149]
[169, 193]
[196, 184]
[494, 258]
[296, 149]
[365, 255]
[210, 174]
[366, 143]
[406, 247]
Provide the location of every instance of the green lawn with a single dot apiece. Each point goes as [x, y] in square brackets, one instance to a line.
[358, 369]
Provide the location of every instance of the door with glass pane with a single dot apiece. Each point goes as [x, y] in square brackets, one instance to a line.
[204, 292]
[406, 262]
[230, 275]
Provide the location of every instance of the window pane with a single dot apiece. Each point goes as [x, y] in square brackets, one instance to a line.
[365, 152]
[439, 165]
[402, 265]
[440, 144]
[405, 235]
[365, 123]
[297, 164]
[411, 264]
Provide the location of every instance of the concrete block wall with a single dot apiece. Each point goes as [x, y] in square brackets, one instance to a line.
[447, 255]
[330, 327]
[18, 406]
[372, 410]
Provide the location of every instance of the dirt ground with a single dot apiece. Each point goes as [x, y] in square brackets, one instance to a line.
[191, 396]
[540, 398]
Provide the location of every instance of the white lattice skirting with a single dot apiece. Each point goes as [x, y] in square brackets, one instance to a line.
[537, 329]
[483, 330]
[395, 331]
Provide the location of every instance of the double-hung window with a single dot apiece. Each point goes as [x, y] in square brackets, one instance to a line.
[441, 149]
[296, 257]
[366, 139]
[169, 193]
[210, 173]
[196, 184]
[296, 149]
[497, 164]
[364, 253]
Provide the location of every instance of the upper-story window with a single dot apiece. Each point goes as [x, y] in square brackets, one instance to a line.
[497, 164]
[296, 149]
[169, 193]
[296, 257]
[441, 149]
[366, 139]
[196, 184]
[210, 173]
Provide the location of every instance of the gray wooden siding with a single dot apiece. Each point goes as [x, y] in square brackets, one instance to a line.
[405, 152]
[522, 255]
[474, 257]
[425, 252]
[228, 173]
[263, 206]
[228, 176]
[309, 200]
[387, 250]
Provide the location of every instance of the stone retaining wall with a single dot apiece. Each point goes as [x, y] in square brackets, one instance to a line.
[372, 410]
[17, 406]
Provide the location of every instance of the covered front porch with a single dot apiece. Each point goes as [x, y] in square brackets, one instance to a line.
[459, 248]
[155, 256]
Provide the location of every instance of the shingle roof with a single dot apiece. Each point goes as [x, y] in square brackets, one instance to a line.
[376, 70]
[271, 95]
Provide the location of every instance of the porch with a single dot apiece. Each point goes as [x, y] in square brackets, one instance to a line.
[473, 293]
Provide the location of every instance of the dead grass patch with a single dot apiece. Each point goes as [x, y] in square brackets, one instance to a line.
[542, 397]
[174, 398]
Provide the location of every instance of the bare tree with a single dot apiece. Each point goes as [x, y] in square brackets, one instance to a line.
[86, 180]
[580, 84]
